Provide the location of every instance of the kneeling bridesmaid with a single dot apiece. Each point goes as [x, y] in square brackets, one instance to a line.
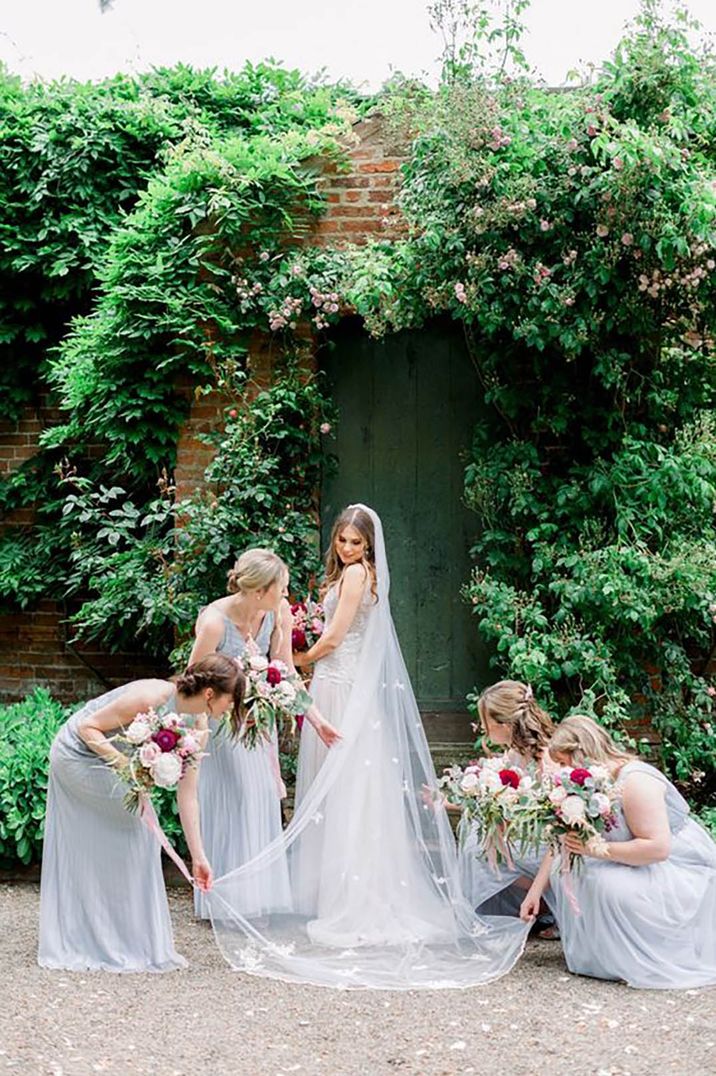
[647, 897]
[103, 905]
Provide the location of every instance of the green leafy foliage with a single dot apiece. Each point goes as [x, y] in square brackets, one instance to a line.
[26, 732]
[150, 566]
[574, 236]
[27, 729]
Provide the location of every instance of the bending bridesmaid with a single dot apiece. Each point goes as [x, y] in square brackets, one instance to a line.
[647, 901]
[103, 905]
[240, 790]
[511, 718]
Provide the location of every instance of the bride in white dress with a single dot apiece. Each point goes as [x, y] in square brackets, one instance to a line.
[373, 866]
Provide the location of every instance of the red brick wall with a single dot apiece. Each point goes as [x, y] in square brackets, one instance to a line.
[33, 645]
[361, 200]
[34, 652]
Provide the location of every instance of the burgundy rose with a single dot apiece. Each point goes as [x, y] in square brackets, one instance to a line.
[273, 675]
[579, 776]
[298, 607]
[298, 639]
[509, 777]
[166, 739]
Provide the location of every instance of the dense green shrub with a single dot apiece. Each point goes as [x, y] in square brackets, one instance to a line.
[27, 729]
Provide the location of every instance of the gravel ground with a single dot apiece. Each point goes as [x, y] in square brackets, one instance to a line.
[537, 1020]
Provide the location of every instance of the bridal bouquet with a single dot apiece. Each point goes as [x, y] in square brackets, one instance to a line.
[499, 800]
[161, 748]
[307, 624]
[274, 695]
[578, 800]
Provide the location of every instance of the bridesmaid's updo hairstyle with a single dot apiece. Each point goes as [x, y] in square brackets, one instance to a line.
[221, 673]
[583, 740]
[510, 702]
[358, 518]
[256, 569]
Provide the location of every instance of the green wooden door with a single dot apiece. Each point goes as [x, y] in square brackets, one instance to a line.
[407, 411]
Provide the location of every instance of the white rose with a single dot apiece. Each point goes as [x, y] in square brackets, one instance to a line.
[138, 731]
[490, 781]
[166, 771]
[526, 783]
[169, 721]
[599, 773]
[287, 690]
[572, 809]
[258, 662]
[557, 795]
[469, 782]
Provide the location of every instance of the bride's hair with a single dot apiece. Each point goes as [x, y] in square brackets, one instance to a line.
[511, 703]
[585, 741]
[221, 673]
[358, 518]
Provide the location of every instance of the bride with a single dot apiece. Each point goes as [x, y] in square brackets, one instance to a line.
[376, 898]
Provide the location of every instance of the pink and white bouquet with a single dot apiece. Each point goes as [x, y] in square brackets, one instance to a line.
[581, 800]
[497, 800]
[308, 624]
[275, 695]
[161, 748]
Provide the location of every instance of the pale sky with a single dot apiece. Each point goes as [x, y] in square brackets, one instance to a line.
[363, 40]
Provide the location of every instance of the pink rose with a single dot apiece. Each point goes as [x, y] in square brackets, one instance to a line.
[149, 753]
[326, 427]
[627, 239]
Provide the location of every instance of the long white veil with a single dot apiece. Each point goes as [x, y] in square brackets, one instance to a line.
[376, 898]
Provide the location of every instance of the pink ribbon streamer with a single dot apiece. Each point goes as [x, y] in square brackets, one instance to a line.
[149, 817]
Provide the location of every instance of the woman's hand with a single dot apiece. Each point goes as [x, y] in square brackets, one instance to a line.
[574, 844]
[529, 909]
[202, 873]
[326, 732]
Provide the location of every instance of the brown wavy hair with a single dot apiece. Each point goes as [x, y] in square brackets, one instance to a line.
[358, 518]
[221, 673]
[510, 702]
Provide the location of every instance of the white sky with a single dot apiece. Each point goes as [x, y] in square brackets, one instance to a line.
[364, 40]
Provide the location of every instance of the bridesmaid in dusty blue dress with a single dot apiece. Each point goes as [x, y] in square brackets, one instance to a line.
[511, 718]
[647, 900]
[103, 905]
[240, 788]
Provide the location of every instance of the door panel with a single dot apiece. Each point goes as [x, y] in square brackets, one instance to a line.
[408, 405]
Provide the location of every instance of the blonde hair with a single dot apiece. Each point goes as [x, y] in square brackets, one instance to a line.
[585, 741]
[258, 569]
[510, 702]
[255, 569]
[358, 518]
